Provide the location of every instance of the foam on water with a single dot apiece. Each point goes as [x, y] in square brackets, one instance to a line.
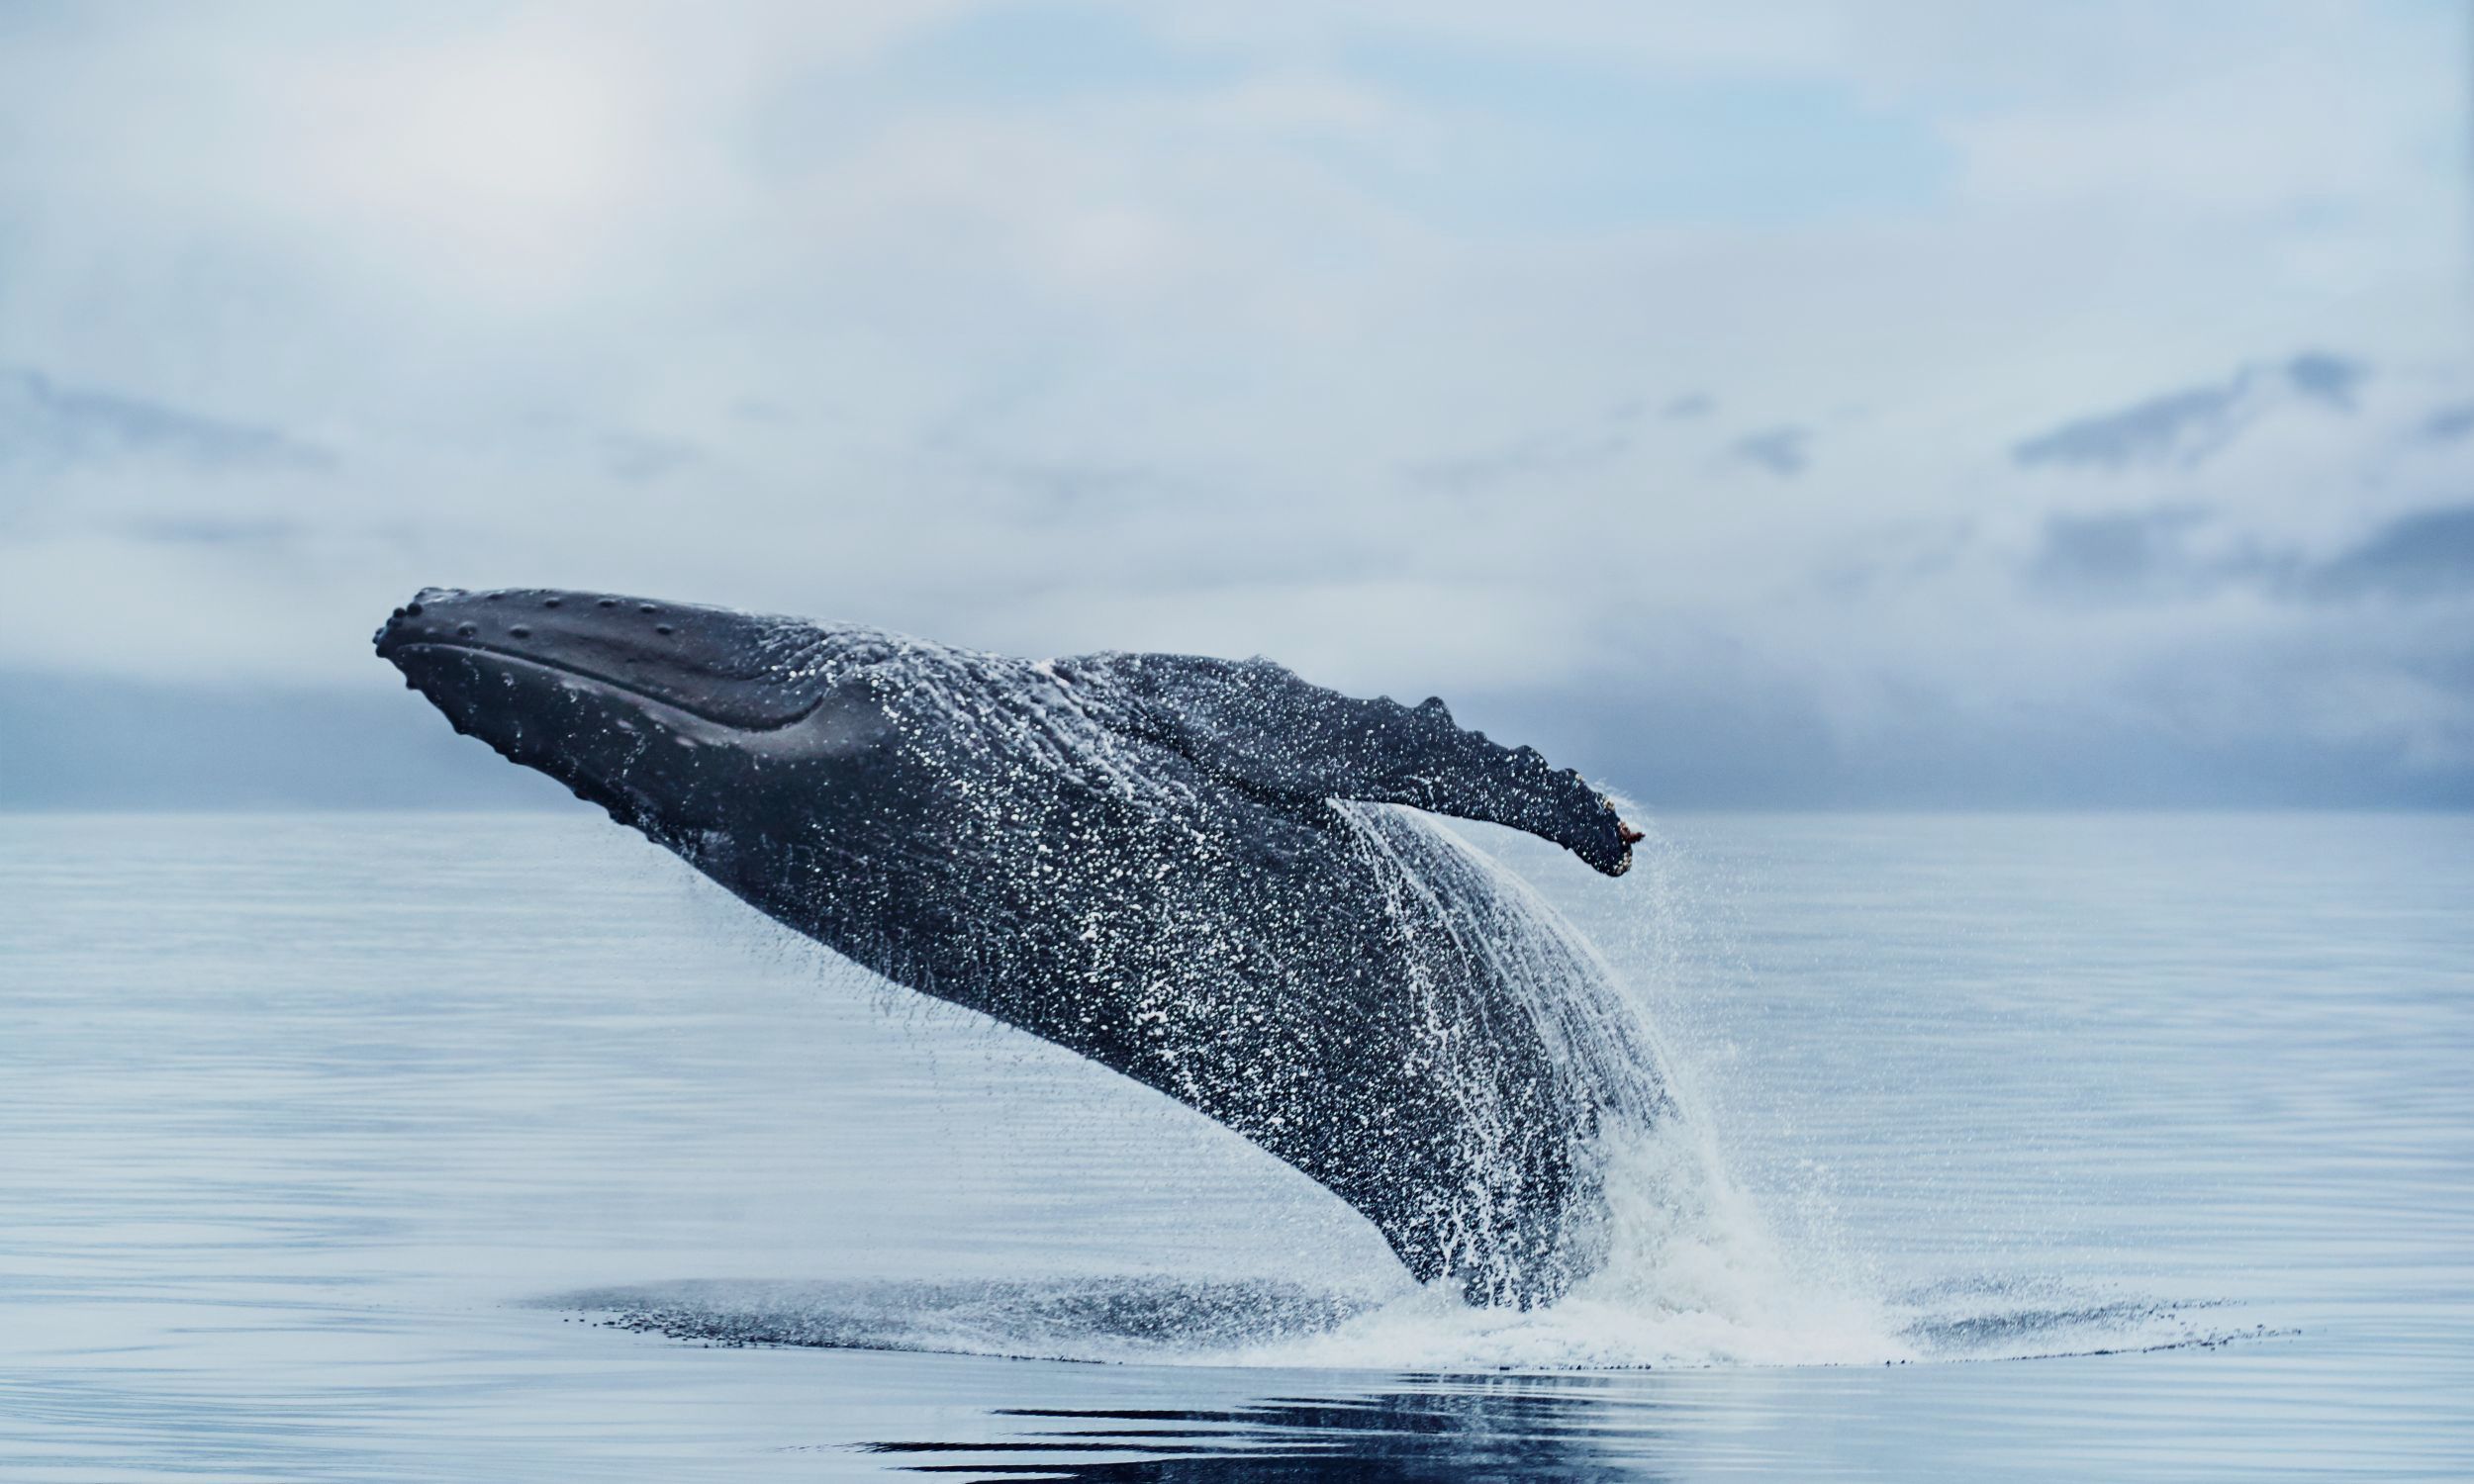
[1154, 1321]
[1692, 1276]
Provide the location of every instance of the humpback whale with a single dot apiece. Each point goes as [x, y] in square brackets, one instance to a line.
[1203, 873]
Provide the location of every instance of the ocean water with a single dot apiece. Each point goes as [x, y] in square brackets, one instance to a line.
[364, 1147]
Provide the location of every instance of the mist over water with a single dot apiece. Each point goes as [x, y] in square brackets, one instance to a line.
[353, 1147]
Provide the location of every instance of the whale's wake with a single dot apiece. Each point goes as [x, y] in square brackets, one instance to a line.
[1679, 1270]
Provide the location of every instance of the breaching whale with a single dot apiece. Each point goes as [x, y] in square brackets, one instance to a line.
[1173, 866]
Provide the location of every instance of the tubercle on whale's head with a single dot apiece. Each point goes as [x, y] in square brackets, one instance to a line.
[681, 720]
[743, 670]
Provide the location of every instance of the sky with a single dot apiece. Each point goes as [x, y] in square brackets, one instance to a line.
[1797, 404]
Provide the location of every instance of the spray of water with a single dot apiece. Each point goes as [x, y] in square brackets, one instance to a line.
[1679, 1265]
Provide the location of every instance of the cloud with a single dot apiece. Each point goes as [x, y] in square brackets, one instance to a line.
[1556, 451]
[2331, 379]
[210, 531]
[2120, 555]
[2178, 427]
[1312, 331]
[46, 425]
[2427, 554]
[2151, 555]
[638, 458]
[2183, 428]
[1784, 451]
[2450, 425]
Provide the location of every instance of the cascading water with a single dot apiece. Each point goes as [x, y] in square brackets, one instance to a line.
[1674, 1262]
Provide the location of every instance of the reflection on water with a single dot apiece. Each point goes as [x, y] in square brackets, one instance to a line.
[1507, 1427]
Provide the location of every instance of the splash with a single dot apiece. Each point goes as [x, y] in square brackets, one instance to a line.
[1677, 1264]
[1682, 1268]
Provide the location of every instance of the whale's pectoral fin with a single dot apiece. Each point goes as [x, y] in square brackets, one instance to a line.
[1257, 723]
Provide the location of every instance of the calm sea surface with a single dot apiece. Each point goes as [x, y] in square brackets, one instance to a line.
[378, 1148]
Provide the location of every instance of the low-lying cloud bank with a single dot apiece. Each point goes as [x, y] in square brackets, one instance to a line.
[1848, 407]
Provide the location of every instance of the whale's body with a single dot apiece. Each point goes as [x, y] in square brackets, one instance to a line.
[1159, 862]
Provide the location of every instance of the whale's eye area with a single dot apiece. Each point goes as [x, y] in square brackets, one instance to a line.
[663, 628]
[465, 630]
[519, 631]
[550, 602]
[606, 603]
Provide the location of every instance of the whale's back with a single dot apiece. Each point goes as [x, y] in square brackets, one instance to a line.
[1346, 984]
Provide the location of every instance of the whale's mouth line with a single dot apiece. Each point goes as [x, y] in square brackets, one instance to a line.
[609, 682]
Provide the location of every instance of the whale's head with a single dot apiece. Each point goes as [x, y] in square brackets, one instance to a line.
[690, 724]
